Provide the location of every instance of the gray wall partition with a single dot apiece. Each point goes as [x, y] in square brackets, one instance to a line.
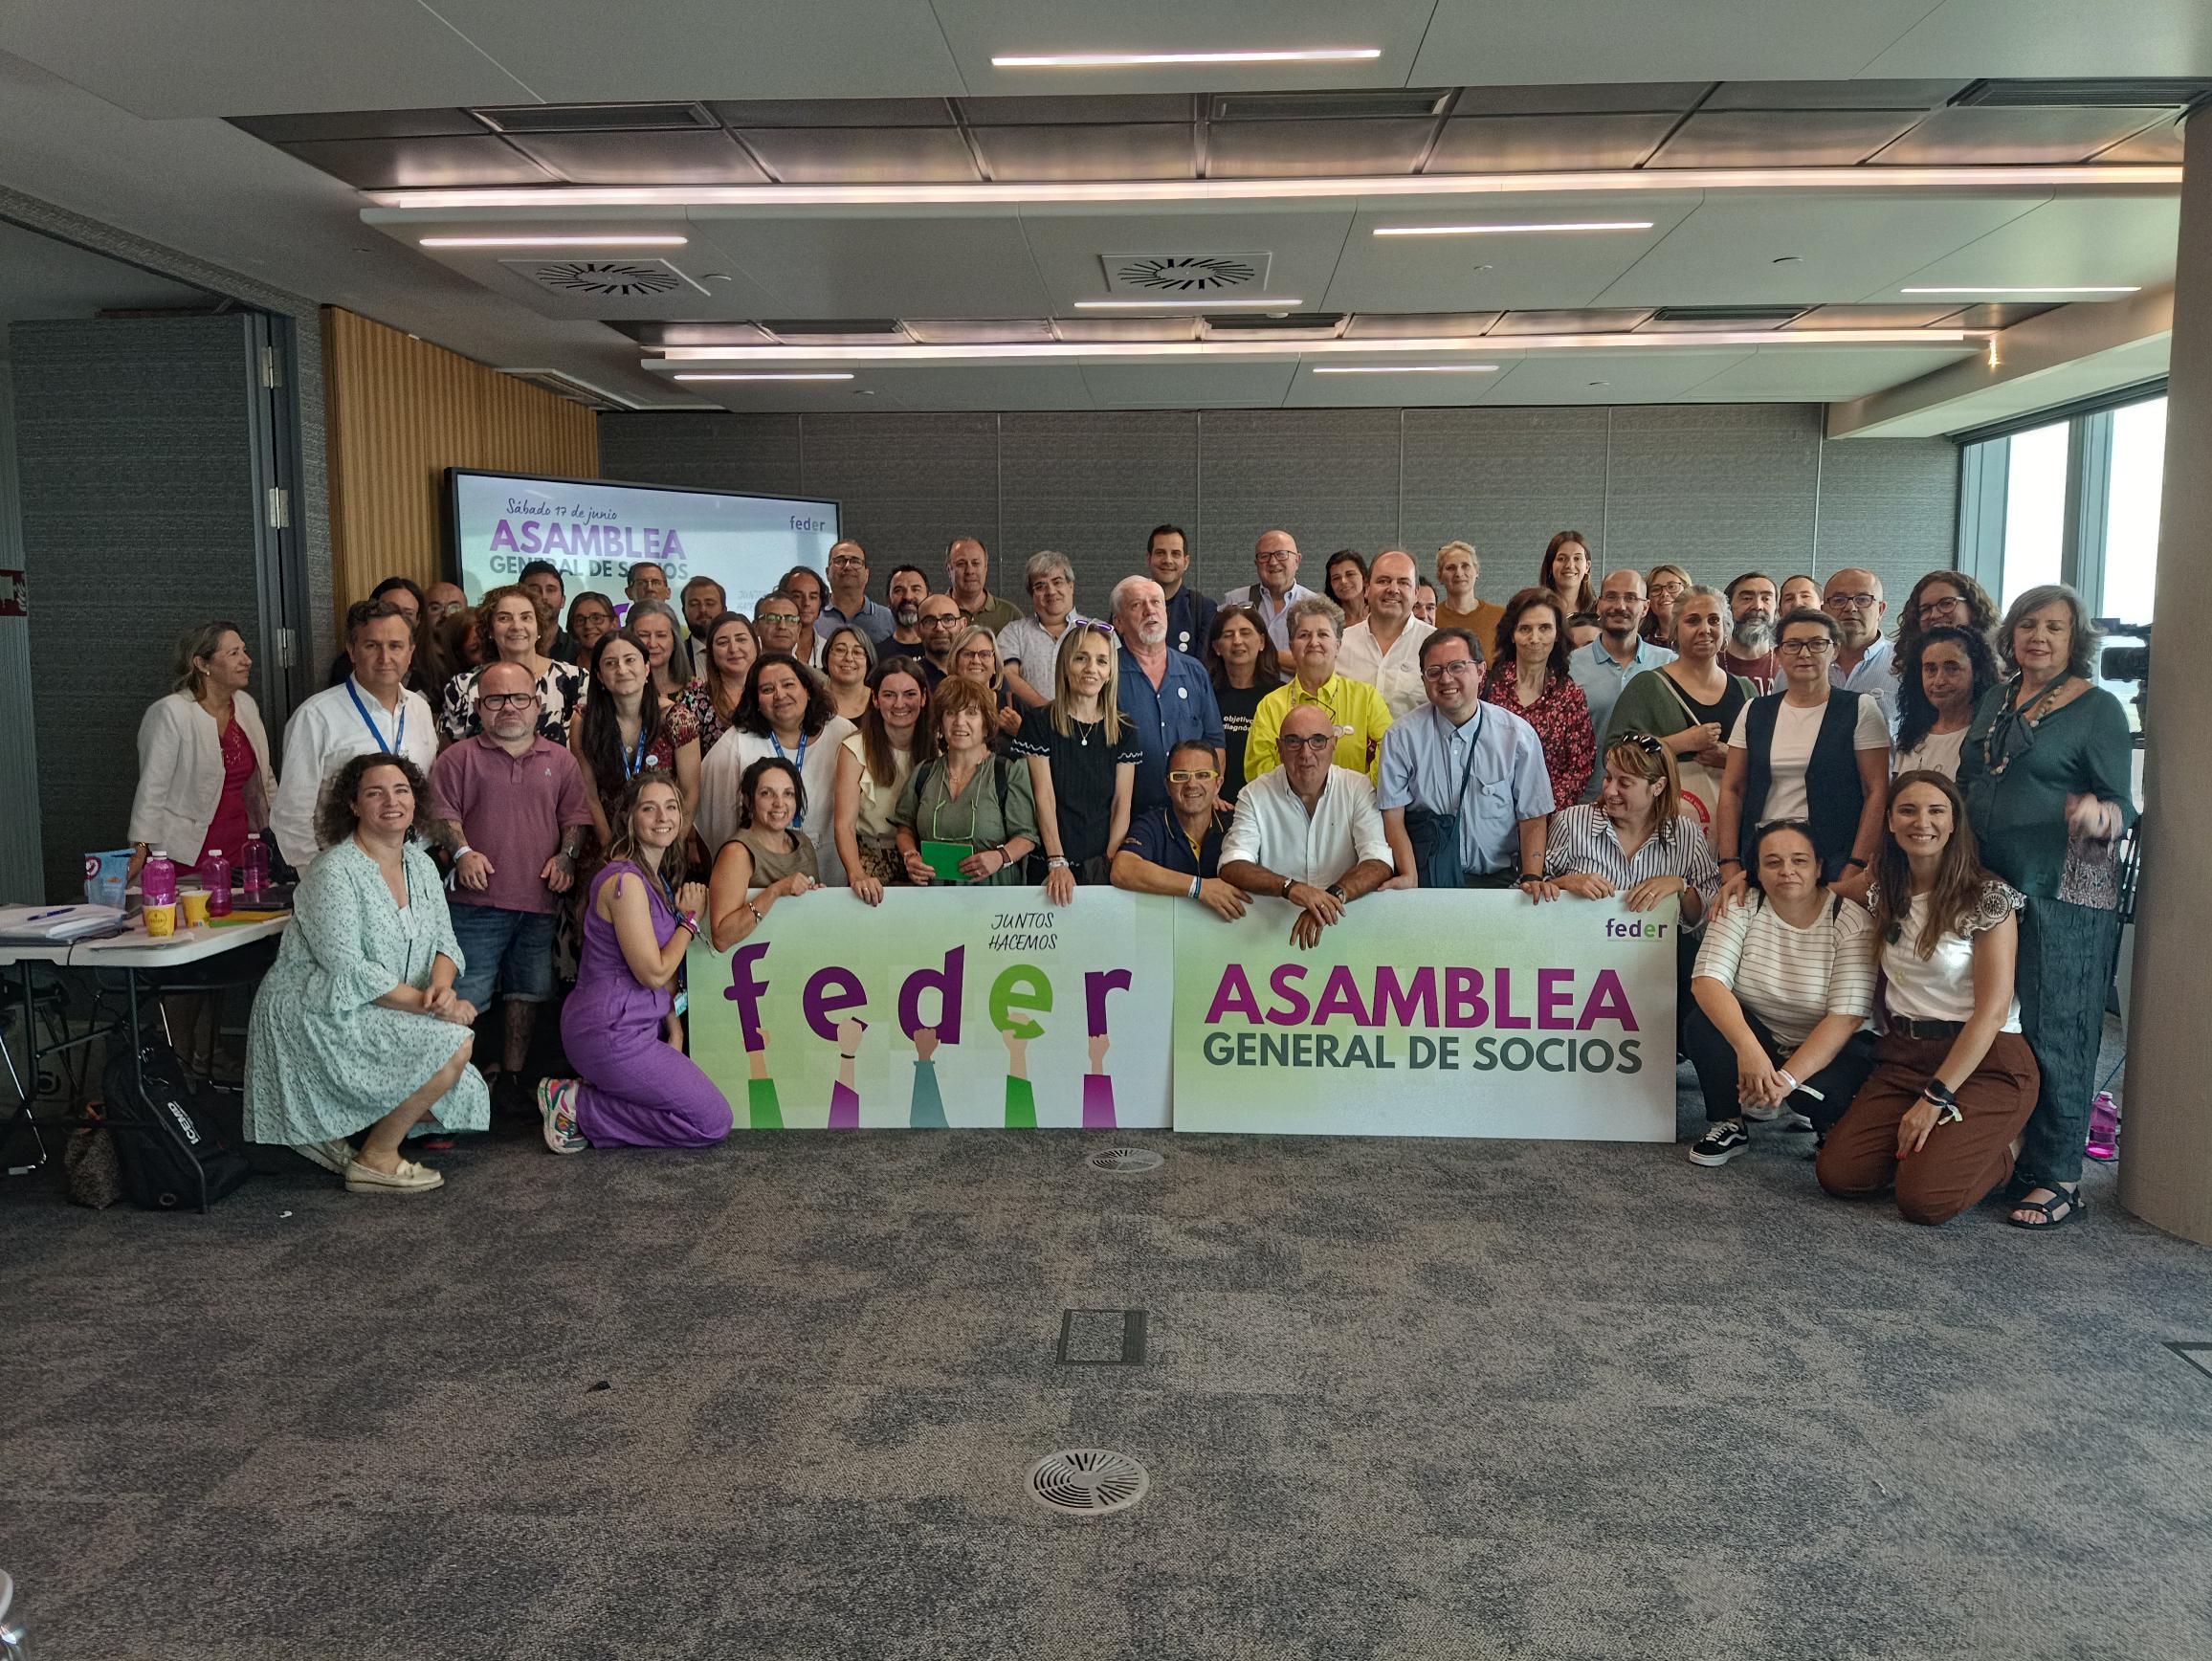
[1718, 488]
[135, 454]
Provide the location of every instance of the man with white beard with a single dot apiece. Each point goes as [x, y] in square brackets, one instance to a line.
[1165, 696]
[1750, 652]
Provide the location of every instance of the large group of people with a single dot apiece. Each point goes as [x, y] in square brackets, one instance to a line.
[1894, 854]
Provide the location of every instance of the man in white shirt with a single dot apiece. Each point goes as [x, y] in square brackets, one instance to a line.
[1604, 668]
[1276, 556]
[1865, 661]
[1308, 831]
[778, 626]
[1030, 647]
[370, 710]
[1384, 649]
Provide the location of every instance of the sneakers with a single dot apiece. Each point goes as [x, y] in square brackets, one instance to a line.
[409, 1179]
[1721, 1143]
[1762, 1115]
[333, 1155]
[1791, 1119]
[557, 1107]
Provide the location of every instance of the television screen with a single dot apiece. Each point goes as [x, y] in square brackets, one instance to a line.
[594, 531]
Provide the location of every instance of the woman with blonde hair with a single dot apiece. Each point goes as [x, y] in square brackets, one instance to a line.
[204, 777]
[975, 656]
[1663, 587]
[1083, 757]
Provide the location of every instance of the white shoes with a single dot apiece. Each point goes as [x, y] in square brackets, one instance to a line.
[409, 1179]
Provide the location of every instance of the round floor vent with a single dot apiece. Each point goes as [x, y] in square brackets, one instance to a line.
[1125, 1159]
[1087, 1481]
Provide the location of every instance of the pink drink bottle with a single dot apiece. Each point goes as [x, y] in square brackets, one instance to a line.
[215, 874]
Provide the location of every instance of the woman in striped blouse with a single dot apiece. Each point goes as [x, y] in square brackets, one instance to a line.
[1785, 984]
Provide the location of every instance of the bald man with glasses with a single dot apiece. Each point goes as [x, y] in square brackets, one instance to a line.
[1863, 661]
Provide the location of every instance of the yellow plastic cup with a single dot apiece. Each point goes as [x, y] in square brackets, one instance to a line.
[161, 920]
[194, 900]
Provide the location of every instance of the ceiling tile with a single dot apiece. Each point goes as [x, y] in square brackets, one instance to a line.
[1205, 384]
[1782, 137]
[2159, 143]
[2047, 38]
[862, 155]
[663, 334]
[1420, 325]
[361, 124]
[663, 158]
[993, 387]
[1831, 95]
[1069, 240]
[406, 163]
[1546, 143]
[1703, 40]
[1873, 316]
[832, 112]
[1630, 98]
[1095, 329]
[1077, 108]
[1998, 317]
[2072, 242]
[1456, 273]
[1313, 149]
[1806, 375]
[1312, 391]
[1592, 321]
[984, 331]
[1992, 135]
[918, 263]
[1633, 377]
[1051, 154]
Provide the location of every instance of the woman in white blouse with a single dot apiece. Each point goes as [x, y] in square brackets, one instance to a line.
[204, 779]
[1783, 986]
[1954, 1081]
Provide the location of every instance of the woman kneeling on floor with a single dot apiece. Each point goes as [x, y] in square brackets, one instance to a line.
[1954, 1081]
[1783, 986]
[622, 1026]
[359, 1012]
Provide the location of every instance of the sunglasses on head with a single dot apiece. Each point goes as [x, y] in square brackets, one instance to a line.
[1644, 742]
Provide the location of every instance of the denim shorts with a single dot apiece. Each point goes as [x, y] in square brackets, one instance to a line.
[511, 951]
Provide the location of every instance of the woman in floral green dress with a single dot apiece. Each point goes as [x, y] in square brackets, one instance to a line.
[356, 1027]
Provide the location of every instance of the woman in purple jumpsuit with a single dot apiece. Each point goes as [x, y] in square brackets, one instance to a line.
[637, 1088]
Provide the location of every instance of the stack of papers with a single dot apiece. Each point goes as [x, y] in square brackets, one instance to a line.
[48, 924]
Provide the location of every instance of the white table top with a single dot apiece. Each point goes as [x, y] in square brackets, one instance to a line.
[133, 949]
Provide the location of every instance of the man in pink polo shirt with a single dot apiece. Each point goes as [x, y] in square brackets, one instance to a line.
[513, 803]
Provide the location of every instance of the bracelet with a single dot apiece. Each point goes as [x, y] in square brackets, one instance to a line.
[1854, 860]
[688, 920]
[757, 918]
[1058, 862]
[462, 852]
[1196, 883]
[1733, 860]
[1938, 1092]
[1789, 1079]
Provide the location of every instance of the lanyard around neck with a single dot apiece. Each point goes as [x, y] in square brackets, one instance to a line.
[798, 821]
[399, 736]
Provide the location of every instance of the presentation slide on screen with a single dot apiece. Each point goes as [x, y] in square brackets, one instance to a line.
[594, 531]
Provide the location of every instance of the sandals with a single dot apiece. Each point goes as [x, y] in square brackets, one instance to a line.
[2074, 1202]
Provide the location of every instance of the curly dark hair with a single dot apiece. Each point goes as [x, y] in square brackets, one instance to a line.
[750, 783]
[1915, 715]
[751, 718]
[335, 819]
[1504, 652]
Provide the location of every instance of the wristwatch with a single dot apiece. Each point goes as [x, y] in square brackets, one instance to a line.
[1289, 883]
[1335, 891]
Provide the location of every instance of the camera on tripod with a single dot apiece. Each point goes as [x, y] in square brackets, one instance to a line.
[2124, 662]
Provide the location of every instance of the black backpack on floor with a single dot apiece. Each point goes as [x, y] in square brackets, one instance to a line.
[167, 1141]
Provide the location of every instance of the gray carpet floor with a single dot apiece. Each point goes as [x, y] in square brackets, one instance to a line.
[1403, 1399]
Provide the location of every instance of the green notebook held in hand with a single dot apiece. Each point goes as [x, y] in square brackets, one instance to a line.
[943, 860]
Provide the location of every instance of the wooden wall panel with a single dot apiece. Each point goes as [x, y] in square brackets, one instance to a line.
[401, 412]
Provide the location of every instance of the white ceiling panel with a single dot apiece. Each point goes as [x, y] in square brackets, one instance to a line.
[1546, 143]
[582, 50]
[2054, 37]
[1139, 150]
[1456, 274]
[1806, 374]
[1478, 42]
[1189, 386]
[1013, 387]
[1639, 377]
[1069, 240]
[235, 57]
[1312, 391]
[940, 263]
[2071, 242]
[42, 278]
[2007, 137]
[1842, 246]
[864, 394]
[980, 29]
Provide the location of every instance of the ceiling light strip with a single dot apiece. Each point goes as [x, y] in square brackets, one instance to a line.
[1405, 368]
[1202, 302]
[2031, 288]
[1048, 351]
[554, 241]
[1139, 60]
[1511, 229]
[553, 198]
[773, 375]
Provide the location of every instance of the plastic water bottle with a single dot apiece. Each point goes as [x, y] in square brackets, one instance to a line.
[215, 875]
[158, 879]
[2104, 1137]
[256, 866]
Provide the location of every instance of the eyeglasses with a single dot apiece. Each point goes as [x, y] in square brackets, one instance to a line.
[506, 699]
[950, 622]
[776, 617]
[1665, 591]
[1948, 603]
[1192, 775]
[1850, 602]
[1803, 648]
[1455, 669]
[1315, 741]
[845, 560]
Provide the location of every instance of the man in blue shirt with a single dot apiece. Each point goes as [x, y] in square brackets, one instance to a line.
[1604, 668]
[1176, 850]
[848, 601]
[1165, 696]
[1189, 613]
[1477, 767]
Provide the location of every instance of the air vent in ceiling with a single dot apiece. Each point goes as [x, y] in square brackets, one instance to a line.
[1248, 323]
[839, 331]
[1721, 316]
[593, 117]
[2091, 93]
[1309, 107]
[566, 385]
[604, 278]
[1169, 274]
